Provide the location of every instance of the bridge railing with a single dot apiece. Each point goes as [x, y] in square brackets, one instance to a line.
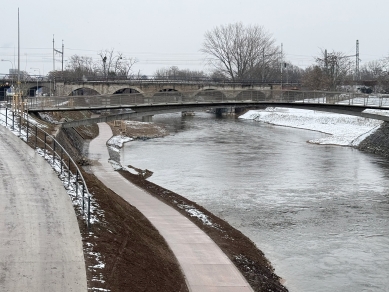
[170, 79]
[206, 96]
[53, 152]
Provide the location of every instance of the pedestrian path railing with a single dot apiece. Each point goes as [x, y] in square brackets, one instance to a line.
[211, 96]
[54, 153]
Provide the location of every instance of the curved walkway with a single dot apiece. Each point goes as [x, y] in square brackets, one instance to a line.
[205, 266]
[40, 242]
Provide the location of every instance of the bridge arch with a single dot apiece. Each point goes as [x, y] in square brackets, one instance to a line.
[127, 90]
[250, 95]
[83, 91]
[209, 94]
[39, 90]
[167, 95]
[68, 90]
[3, 91]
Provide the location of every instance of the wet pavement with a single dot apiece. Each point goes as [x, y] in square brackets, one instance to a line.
[40, 241]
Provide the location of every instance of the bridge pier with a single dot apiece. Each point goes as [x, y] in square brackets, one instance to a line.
[187, 113]
[225, 111]
[147, 119]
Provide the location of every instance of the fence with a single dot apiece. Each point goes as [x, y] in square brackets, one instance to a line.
[205, 96]
[56, 155]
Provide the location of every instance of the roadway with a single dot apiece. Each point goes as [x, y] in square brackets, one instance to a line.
[205, 266]
[40, 241]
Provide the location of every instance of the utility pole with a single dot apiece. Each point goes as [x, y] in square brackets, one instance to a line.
[263, 64]
[282, 62]
[59, 52]
[53, 56]
[18, 87]
[325, 61]
[357, 77]
[62, 57]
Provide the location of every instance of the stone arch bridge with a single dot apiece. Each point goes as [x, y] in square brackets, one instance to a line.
[147, 88]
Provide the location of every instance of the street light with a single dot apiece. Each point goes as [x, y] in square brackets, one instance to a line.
[12, 78]
[36, 69]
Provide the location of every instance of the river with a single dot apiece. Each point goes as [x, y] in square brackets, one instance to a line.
[319, 213]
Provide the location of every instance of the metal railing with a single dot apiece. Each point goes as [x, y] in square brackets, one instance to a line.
[206, 96]
[149, 79]
[56, 155]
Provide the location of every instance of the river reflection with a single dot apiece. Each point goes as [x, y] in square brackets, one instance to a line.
[320, 213]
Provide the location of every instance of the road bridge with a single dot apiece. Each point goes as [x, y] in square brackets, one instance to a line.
[148, 88]
[138, 105]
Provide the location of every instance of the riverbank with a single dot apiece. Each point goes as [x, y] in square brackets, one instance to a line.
[191, 136]
[367, 135]
[378, 142]
[246, 256]
[342, 130]
[128, 252]
[141, 137]
[122, 249]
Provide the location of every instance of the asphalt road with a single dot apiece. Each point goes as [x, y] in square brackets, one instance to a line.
[40, 241]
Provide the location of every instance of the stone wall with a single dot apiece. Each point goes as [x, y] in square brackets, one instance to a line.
[74, 144]
[378, 142]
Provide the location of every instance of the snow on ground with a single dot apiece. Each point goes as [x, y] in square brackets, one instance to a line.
[138, 125]
[343, 130]
[116, 142]
[117, 166]
[193, 212]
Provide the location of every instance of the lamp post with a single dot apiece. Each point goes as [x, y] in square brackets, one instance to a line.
[12, 78]
[36, 69]
[104, 62]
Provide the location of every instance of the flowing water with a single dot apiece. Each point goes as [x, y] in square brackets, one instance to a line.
[319, 213]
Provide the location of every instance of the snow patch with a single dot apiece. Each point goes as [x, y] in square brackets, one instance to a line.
[118, 141]
[343, 130]
[193, 212]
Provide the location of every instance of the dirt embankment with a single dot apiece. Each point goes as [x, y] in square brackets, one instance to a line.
[250, 261]
[240, 249]
[135, 255]
[123, 251]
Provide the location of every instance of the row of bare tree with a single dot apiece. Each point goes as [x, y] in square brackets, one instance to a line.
[110, 65]
[239, 53]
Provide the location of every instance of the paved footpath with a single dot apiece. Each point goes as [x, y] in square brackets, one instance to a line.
[40, 242]
[205, 266]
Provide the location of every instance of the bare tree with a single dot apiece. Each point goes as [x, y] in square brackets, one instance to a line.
[373, 70]
[315, 78]
[174, 73]
[79, 66]
[238, 51]
[114, 64]
[331, 70]
[338, 68]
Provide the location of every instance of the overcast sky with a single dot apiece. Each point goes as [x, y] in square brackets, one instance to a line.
[164, 33]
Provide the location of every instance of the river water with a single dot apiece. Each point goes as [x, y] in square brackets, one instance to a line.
[319, 213]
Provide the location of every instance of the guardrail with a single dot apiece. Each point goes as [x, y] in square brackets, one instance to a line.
[148, 79]
[56, 155]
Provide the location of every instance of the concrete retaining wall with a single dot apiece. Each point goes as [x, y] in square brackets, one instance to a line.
[73, 143]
